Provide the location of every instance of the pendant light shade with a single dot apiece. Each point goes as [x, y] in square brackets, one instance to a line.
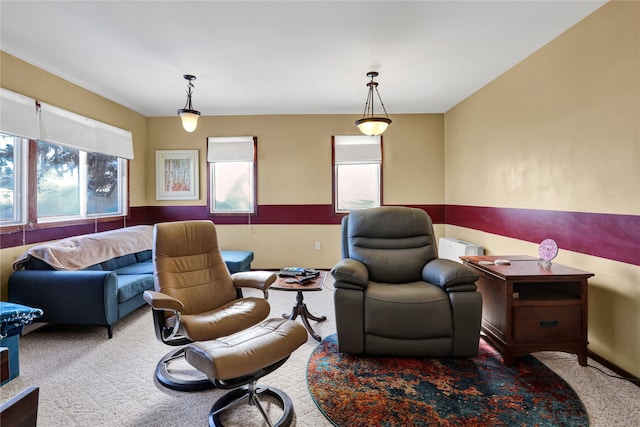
[188, 115]
[369, 124]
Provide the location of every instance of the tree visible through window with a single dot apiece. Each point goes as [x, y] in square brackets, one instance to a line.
[56, 165]
[73, 183]
[103, 184]
[58, 181]
[11, 188]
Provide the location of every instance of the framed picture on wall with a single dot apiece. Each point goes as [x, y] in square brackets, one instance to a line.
[177, 175]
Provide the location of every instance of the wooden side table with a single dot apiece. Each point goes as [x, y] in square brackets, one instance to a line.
[528, 308]
[300, 308]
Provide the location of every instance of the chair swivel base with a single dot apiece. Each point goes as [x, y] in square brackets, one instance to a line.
[249, 393]
[167, 379]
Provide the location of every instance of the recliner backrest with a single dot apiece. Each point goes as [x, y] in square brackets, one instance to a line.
[188, 265]
[393, 242]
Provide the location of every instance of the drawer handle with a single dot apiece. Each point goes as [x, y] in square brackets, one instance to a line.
[549, 323]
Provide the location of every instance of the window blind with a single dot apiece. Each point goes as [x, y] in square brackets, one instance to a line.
[114, 141]
[354, 149]
[62, 127]
[230, 149]
[18, 115]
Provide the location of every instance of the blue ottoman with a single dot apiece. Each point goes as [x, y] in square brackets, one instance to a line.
[237, 260]
[13, 317]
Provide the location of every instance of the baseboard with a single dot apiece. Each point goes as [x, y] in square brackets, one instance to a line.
[615, 368]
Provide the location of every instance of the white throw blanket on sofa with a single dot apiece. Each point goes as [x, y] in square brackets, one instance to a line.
[79, 252]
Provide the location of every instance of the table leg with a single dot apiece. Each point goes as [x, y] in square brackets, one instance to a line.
[301, 309]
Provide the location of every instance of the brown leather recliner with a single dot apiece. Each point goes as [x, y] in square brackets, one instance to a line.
[195, 297]
[395, 297]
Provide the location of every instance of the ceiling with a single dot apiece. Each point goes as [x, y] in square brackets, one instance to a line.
[282, 57]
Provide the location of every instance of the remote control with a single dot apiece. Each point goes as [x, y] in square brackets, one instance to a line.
[287, 274]
[305, 279]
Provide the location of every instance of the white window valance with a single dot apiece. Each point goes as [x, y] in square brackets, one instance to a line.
[114, 141]
[230, 149]
[354, 149]
[63, 127]
[18, 115]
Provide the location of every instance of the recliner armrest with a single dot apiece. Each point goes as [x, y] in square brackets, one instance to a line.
[160, 301]
[254, 279]
[450, 275]
[350, 274]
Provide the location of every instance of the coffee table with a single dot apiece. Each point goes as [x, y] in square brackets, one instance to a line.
[300, 309]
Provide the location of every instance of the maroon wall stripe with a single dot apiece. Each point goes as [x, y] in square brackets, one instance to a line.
[267, 214]
[270, 214]
[614, 237]
[137, 216]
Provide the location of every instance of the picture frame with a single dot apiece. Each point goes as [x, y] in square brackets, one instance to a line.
[177, 175]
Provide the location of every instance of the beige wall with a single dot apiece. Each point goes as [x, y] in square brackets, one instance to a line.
[560, 131]
[294, 155]
[294, 167]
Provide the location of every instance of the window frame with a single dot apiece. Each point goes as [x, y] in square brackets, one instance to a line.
[20, 159]
[334, 174]
[28, 175]
[254, 178]
[33, 121]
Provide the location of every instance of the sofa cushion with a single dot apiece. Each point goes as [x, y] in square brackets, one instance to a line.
[412, 310]
[144, 256]
[121, 261]
[237, 260]
[94, 267]
[137, 268]
[33, 263]
[133, 284]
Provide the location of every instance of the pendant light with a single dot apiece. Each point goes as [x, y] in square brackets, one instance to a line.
[369, 124]
[188, 115]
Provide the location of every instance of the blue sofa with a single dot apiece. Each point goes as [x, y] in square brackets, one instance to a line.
[93, 279]
[62, 279]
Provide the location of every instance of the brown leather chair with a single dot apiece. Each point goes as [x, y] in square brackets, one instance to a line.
[195, 297]
[395, 297]
[238, 361]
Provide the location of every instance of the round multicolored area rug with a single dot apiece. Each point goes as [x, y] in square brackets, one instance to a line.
[387, 391]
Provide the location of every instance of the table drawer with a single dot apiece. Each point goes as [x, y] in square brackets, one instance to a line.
[546, 324]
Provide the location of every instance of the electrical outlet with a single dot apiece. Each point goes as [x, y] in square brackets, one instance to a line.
[317, 246]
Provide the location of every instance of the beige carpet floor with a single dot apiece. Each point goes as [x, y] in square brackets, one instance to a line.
[86, 379]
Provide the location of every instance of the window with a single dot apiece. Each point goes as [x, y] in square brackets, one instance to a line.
[76, 184]
[232, 172]
[357, 172]
[12, 182]
[106, 192]
[58, 181]
[56, 165]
